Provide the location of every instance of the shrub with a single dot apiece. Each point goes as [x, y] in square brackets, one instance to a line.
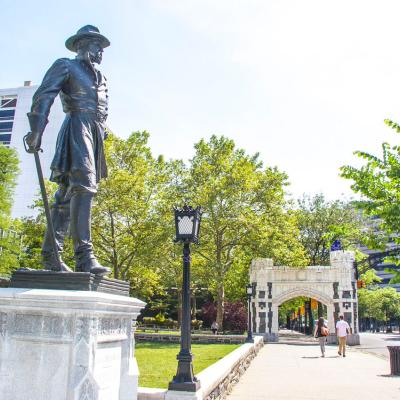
[170, 324]
[149, 321]
[197, 324]
[160, 319]
[235, 317]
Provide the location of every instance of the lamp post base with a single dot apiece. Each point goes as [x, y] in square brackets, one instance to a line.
[184, 386]
[184, 380]
[249, 339]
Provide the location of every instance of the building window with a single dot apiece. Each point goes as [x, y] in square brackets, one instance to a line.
[6, 126]
[8, 102]
[7, 115]
[5, 138]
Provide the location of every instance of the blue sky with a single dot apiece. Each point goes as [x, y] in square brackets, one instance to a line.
[305, 83]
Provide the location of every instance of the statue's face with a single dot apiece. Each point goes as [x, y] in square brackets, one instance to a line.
[95, 51]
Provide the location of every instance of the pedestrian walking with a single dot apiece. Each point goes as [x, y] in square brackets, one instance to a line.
[321, 332]
[342, 330]
[214, 327]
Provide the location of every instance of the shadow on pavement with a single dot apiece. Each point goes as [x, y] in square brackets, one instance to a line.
[298, 344]
[320, 357]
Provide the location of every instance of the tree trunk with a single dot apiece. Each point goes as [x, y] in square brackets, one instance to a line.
[305, 318]
[220, 306]
[310, 319]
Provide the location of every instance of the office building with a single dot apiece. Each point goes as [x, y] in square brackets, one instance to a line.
[14, 125]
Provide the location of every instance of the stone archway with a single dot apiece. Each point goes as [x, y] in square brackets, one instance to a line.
[303, 291]
[334, 285]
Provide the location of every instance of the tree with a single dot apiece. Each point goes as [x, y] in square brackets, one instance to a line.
[8, 175]
[321, 222]
[386, 304]
[381, 304]
[378, 181]
[132, 220]
[244, 213]
[124, 224]
[9, 237]
[32, 232]
[364, 303]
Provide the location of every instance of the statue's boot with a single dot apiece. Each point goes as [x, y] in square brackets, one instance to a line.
[60, 217]
[81, 204]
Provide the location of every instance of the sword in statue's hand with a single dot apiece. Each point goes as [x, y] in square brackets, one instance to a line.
[32, 143]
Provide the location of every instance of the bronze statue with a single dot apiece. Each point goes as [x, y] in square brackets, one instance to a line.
[79, 161]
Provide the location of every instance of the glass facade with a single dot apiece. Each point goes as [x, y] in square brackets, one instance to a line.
[7, 113]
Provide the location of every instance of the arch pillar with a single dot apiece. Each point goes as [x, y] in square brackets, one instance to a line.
[272, 332]
[331, 323]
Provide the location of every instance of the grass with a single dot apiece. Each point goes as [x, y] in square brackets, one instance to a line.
[157, 361]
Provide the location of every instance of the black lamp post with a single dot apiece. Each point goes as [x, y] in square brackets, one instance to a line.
[187, 225]
[249, 291]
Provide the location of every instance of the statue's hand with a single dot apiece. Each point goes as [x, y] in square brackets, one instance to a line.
[34, 141]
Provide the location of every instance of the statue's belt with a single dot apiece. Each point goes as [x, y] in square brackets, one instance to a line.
[98, 115]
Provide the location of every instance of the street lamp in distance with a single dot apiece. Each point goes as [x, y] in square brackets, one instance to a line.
[187, 226]
[249, 292]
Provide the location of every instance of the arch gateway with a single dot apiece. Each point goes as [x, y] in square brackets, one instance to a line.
[334, 286]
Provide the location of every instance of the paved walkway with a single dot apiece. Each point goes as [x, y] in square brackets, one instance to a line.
[377, 343]
[296, 372]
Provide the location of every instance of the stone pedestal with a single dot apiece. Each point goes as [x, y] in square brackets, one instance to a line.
[353, 339]
[67, 345]
[270, 337]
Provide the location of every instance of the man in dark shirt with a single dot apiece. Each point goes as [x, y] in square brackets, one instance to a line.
[79, 161]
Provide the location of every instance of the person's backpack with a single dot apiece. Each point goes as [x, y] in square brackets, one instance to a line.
[324, 331]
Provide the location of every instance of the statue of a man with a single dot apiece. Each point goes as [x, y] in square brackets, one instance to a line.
[79, 161]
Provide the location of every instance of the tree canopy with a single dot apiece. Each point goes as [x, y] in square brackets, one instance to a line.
[244, 214]
[321, 222]
[381, 304]
[378, 181]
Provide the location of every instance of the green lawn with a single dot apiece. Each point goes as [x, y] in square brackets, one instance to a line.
[157, 361]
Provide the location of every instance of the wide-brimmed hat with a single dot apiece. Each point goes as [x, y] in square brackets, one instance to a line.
[86, 32]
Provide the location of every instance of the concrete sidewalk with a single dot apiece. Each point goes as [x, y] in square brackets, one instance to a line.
[297, 372]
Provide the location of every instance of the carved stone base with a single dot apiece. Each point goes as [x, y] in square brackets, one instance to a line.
[67, 345]
[353, 339]
[42, 279]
